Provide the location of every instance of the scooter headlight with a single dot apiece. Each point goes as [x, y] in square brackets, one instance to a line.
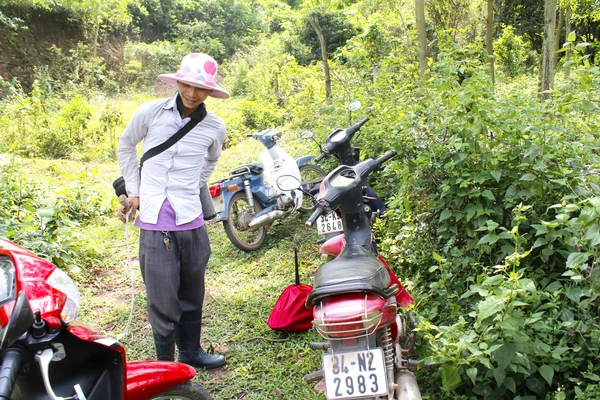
[61, 281]
[7, 280]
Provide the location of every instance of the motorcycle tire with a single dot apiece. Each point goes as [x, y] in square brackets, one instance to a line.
[308, 172]
[237, 229]
[189, 390]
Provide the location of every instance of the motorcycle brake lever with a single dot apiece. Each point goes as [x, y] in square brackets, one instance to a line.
[44, 358]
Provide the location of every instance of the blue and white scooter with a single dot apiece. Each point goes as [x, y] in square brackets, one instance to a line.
[248, 203]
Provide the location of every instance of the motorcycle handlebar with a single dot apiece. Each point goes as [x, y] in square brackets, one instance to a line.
[320, 157]
[311, 220]
[352, 130]
[249, 135]
[8, 375]
[386, 157]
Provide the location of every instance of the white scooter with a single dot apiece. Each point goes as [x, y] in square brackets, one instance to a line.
[248, 203]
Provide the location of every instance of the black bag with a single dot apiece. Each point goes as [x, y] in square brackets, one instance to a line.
[119, 183]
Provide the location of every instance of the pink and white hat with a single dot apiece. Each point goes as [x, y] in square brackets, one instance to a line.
[198, 70]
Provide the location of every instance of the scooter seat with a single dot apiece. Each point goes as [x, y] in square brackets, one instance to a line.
[254, 168]
[354, 270]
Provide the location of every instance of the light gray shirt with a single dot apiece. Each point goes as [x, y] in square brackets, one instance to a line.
[178, 172]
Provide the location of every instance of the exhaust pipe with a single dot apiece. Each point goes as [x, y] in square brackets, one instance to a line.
[266, 219]
[408, 388]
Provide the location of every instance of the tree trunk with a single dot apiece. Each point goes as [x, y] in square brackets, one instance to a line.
[422, 34]
[314, 22]
[489, 37]
[559, 28]
[567, 31]
[547, 66]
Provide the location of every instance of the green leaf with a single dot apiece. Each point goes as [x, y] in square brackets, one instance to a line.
[572, 36]
[547, 373]
[510, 384]
[493, 280]
[558, 351]
[488, 194]
[575, 259]
[437, 257]
[499, 375]
[588, 106]
[472, 374]
[450, 376]
[528, 177]
[496, 175]
[489, 307]
[445, 215]
[540, 242]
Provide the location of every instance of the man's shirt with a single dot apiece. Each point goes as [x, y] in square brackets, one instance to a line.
[177, 173]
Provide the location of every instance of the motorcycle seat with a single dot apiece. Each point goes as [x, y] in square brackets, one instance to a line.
[354, 270]
[254, 168]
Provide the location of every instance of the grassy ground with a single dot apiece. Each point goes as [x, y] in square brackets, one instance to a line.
[241, 290]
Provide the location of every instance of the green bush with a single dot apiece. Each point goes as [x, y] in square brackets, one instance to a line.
[46, 224]
[511, 52]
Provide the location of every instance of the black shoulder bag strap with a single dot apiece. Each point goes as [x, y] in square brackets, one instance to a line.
[175, 138]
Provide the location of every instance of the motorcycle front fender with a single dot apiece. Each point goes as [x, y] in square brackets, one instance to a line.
[303, 160]
[148, 378]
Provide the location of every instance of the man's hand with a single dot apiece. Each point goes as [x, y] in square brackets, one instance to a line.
[128, 205]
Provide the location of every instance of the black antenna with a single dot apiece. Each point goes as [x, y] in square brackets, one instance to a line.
[296, 267]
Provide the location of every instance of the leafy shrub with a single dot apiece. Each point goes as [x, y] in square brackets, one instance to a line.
[493, 213]
[46, 224]
[511, 52]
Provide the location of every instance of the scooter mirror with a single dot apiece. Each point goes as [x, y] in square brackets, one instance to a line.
[287, 183]
[306, 134]
[354, 105]
[20, 321]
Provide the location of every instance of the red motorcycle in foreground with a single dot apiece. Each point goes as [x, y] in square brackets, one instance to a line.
[356, 298]
[47, 354]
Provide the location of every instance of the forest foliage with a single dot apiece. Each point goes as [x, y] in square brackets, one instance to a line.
[494, 198]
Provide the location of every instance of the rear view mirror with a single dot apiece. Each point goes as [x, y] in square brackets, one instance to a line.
[306, 134]
[354, 105]
[20, 321]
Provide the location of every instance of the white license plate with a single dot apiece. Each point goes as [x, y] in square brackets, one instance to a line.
[355, 374]
[329, 223]
[219, 203]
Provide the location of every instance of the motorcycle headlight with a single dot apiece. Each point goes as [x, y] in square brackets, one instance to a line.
[61, 281]
[7, 280]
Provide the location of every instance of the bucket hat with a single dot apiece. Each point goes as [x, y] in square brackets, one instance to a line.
[198, 70]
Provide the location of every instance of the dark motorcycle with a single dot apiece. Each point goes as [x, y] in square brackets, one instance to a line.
[356, 302]
[339, 145]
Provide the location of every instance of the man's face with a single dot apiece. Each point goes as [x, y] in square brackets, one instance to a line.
[192, 96]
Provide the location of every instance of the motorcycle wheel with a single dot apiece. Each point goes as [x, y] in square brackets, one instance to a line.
[309, 172]
[236, 226]
[189, 390]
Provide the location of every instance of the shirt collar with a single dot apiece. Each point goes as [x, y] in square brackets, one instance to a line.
[176, 103]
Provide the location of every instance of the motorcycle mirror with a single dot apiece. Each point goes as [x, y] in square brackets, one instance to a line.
[20, 321]
[306, 134]
[354, 105]
[287, 183]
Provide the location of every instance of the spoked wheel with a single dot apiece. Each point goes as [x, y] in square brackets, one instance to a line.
[309, 172]
[237, 226]
[189, 390]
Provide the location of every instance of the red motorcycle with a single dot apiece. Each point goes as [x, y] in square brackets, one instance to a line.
[47, 354]
[356, 298]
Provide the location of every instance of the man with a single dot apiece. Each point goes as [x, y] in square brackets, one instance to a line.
[174, 244]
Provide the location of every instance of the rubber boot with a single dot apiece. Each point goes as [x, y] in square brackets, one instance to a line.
[165, 346]
[187, 336]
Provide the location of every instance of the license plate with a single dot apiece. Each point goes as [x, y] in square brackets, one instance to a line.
[219, 203]
[329, 223]
[355, 374]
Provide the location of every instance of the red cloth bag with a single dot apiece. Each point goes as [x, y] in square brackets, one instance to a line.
[289, 312]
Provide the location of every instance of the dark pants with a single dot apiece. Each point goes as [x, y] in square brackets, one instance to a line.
[174, 278]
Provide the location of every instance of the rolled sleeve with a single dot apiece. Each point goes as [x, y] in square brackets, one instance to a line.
[212, 156]
[127, 153]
